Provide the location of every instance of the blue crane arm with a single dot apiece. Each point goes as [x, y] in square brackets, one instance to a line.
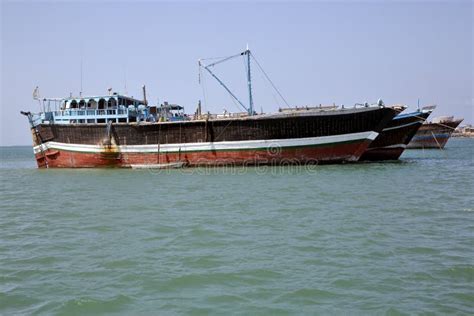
[225, 87]
[225, 59]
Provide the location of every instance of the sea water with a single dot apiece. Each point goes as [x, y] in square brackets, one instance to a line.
[367, 238]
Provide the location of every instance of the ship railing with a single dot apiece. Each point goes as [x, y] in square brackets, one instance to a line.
[89, 115]
[108, 112]
[218, 116]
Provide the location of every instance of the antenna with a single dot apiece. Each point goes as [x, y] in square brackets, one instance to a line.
[80, 91]
[125, 79]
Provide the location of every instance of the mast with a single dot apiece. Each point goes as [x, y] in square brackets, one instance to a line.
[249, 82]
[250, 108]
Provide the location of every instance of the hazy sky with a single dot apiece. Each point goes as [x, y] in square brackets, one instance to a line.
[315, 52]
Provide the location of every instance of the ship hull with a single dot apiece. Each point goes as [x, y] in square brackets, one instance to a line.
[383, 153]
[333, 137]
[392, 141]
[329, 149]
[433, 135]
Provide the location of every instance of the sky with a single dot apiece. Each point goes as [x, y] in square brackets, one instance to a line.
[343, 52]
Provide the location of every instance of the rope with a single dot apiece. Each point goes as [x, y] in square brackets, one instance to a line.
[222, 60]
[263, 79]
[440, 124]
[269, 80]
[272, 93]
[201, 77]
[436, 140]
[444, 125]
[432, 134]
[237, 106]
[203, 85]
[222, 57]
[228, 124]
[419, 117]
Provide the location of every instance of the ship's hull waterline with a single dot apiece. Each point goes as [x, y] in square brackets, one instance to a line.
[334, 137]
[316, 150]
[393, 140]
[433, 135]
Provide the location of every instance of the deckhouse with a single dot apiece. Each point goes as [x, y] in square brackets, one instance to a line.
[114, 108]
[98, 109]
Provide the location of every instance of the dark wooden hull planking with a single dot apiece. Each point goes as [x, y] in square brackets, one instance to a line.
[394, 138]
[318, 137]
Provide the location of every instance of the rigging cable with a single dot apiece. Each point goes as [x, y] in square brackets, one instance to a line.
[263, 79]
[202, 81]
[220, 81]
[203, 85]
[269, 80]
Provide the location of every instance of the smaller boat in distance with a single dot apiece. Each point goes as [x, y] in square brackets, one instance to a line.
[394, 138]
[435, 134]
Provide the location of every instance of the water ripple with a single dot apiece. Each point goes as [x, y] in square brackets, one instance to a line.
[369, 238]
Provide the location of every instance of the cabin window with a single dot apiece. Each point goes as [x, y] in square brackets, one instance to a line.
[73, 104]
[112, 103]
[82, 104]
[101, 104]
[91, 104]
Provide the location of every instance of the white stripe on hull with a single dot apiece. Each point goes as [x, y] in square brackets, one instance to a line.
[390, 146]
[402, 126]
[211, 146]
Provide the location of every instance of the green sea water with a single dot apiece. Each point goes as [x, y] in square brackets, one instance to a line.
[371, 238]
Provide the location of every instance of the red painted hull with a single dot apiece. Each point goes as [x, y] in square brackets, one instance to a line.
[379, 154]
[333, 153]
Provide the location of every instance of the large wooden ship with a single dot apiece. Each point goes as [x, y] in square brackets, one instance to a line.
[435, 134]
[394, 138]
[118, 131]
